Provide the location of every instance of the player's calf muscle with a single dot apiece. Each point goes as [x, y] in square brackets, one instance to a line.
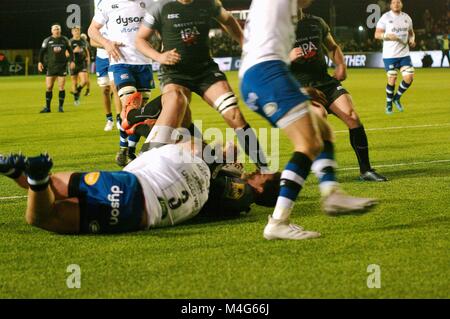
[234, 118]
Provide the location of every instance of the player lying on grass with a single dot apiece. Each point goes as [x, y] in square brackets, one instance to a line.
[163, 187]
[139, 121]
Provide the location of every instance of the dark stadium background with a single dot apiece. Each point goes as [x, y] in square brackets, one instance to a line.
[24, 23]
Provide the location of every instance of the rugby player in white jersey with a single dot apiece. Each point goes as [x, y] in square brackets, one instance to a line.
[132, 71]
[270, 90]
[105, 81]
[395, 28]
[163, 187]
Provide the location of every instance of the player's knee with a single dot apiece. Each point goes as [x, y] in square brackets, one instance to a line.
[408, 72]
[177, 97]
[351, 119]
[103, 81]
[392, 76]
[408, 79]
[106, 90]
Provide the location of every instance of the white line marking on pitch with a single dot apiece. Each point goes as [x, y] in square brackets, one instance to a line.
[12, 197]
[341, 169]
[398, 164]
[400, 127]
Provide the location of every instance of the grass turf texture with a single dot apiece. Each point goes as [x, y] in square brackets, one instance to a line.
[407, 235]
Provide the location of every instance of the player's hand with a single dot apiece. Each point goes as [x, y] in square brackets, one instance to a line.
[169, 57]
[40, 67]
[113, 49]
[412, 43]
[295, 54]
[392, 37]
[340, 72]
[72, 65]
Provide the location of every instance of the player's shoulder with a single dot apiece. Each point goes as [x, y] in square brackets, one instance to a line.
[102, 5]
[314, 19]
[154, 12]
[407, 16]
[215, 3]
[64, 38]
[161, 4]
[386, 15]
[46, 41]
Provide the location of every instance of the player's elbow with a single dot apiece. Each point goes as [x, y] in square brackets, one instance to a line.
[91, 31]
[138, 42]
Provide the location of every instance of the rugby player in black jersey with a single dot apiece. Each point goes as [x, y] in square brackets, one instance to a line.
[187, 66]
[53, 51]
[309, 66]
[81, 58]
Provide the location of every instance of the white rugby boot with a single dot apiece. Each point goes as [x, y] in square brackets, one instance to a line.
[337, 202]
[283, 229]
[109, 126]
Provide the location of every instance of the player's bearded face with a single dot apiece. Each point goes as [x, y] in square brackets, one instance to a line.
[396, 5]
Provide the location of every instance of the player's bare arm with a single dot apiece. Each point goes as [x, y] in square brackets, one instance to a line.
[412, 38]
[88, 56]
[337, 56]
[112, 47]
[41, 57]
[95, 44]
[380, 34]
[143, 45]
[71, 55]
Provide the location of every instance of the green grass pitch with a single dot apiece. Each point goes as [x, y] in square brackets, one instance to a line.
[407, 235]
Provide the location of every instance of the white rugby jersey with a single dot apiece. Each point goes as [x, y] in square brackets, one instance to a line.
[175, 184]
[123, 18]
[400, 25]
[269, 32]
